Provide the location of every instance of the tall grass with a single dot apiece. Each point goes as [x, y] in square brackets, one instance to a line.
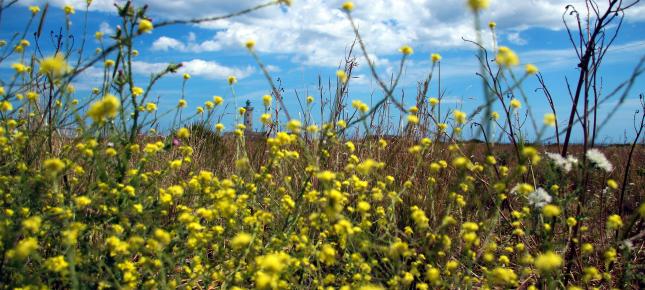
[94, 195]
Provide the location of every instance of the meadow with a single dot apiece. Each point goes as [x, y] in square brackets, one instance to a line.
[95, 195]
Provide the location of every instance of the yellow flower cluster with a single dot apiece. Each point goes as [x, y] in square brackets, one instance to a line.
[106, 108]
[113, 198]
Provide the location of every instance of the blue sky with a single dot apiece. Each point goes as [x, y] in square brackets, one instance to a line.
[309, 39]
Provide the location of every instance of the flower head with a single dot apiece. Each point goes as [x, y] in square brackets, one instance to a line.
[539, 198]
[23, 249]
[54, 66]
[241, 240]
[614, 222]
[598, 158]
[266, 100]
[69, 9]
[516, 104]
[503, 277]
[549, 119]
[137, 91]
[360, 106]
[6, 106]
[460, 117]
[34, 9]
[53, 166]
[56, 264]
[145, 26]
[506, 57]
[342, 76]
[182, 103]
[106, 108]
[294, 126]
[565, 164]
[183, 133]
[406, 50]
[250, 44]
[435, 57]
[348, 6]
[413, 119]
[548, 262]
[477, 5]
[20, 68]
[531, 69]
[551, 210]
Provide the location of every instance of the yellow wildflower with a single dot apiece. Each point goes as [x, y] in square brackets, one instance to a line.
[516, 104]
[460, 117]
[145, 26]
[250, 44]
[6, 106]
[32, 224]
[241, 240]
[477, 5]
[503, 277]
[106, 108]
[20, 68]
[342, 76]
[551, 210]
[23, 249]
[69, 9]
[54, 66]
[34, 9]
[56, 264]
[531, 69]
[54, 166]
[549, 119]
[507, 57]
[406, 50]
[614, 222]
[266, 99]
[348, 6]
[548, 262]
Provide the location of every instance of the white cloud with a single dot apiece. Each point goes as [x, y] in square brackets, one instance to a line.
[105, 28]
[195, 67]
[316, 32]
[214, 70]
[516, 38]
[142, 67]
[165, 43]
[273, 68]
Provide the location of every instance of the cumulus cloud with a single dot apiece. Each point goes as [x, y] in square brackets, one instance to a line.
[105, 28]
[165, 43]
[516, 38]
[316, 32]
[195, 67]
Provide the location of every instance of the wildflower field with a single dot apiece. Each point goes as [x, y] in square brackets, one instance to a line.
[96, 194]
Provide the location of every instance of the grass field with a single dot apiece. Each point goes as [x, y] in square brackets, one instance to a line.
[94, 195]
